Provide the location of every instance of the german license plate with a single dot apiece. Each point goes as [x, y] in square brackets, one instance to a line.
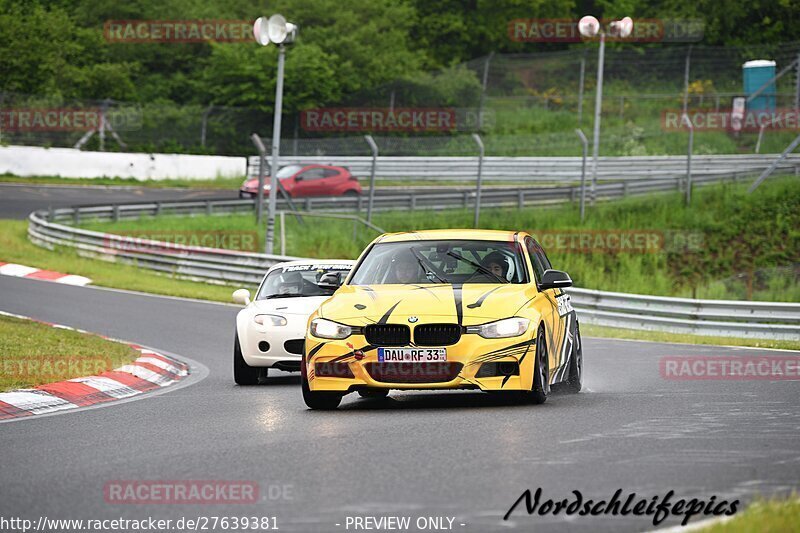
[412, 355]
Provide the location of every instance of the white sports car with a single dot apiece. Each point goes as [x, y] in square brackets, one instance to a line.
[270, 330]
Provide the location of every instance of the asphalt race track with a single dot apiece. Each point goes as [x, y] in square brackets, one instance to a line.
[18, 201]
[457, 454]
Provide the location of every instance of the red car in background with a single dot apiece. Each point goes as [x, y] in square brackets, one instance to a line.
[308, 180]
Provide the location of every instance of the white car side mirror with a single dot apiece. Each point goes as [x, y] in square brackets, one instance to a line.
[241, 296]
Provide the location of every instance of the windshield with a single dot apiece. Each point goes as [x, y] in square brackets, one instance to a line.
[298, 280]
[428, 262]
[288, 171]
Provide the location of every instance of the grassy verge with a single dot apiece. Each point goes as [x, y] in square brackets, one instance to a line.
[15, 248]
[33, 354]
[591, 330]
[771, 516]
[727, 245]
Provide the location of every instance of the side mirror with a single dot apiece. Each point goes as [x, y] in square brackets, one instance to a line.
[554, 279]
[331, 280]
[241, 296]
[298, 178]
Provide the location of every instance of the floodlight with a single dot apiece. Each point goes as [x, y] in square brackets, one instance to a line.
[260, 31]
[588, 26]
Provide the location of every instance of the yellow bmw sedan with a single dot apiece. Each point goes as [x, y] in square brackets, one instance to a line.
[445, 309]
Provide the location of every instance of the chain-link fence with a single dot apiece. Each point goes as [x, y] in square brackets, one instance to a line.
[522, 104]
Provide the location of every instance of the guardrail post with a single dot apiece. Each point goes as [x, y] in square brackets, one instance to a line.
[624, 189]
[374, 147]
[466, 199]
[115, 213]
[479, 142]
[209, 207]
[157, 212]
[51, 215]
[520, 199]
[307, 204]
[413, 201]
[76, 216]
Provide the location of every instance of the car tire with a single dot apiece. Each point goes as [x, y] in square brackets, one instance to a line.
[351, 194]
[321, 401]
[574, 382]
[243, 374]
[541, 373]
[373, 393]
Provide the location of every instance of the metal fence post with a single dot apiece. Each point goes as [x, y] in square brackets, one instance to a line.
[764, 175]
[283, 232]
[481, 148]
[204, 125]
[262, 164]
[580, 87]
[374, 147]
[585, 143]
[689, 159]
[598, 110]
[686, 79]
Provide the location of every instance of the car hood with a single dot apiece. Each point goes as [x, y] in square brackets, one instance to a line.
[289, 306]
[429, 303]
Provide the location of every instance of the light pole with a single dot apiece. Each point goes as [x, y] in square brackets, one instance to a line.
[589, 26]
[277, 31]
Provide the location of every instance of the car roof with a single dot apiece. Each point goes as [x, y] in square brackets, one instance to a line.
[314, 262]
[450, 234]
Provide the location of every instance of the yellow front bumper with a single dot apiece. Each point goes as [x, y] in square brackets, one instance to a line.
[471, 352]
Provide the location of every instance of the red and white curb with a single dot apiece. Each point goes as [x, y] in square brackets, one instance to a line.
[22, 271]
[150, 371]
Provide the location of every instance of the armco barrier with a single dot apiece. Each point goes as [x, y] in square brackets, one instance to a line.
[541, 169]
[701, 317]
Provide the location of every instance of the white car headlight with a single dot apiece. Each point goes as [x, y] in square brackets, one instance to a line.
[270, 320]
[328, 329]
[508, 327]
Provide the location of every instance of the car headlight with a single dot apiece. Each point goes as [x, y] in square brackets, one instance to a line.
[508, 327]
[328, 329]
[270, 320]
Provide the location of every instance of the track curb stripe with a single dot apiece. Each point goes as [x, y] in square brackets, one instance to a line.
[22, 271]
[150, 371]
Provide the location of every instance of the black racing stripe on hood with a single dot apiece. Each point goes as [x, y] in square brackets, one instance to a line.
[388, 313]
[426, 289]
[479, 301]
[457, 297]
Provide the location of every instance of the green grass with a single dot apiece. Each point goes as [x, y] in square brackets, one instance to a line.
[737, 233]
[33, 354]
[15, 248]
[592, 330]
[768, 516]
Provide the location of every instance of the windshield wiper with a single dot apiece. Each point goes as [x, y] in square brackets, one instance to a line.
[478, 267]
[429, 270]
[271, 296]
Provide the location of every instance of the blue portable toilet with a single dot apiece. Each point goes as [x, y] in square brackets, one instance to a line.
[757, 73]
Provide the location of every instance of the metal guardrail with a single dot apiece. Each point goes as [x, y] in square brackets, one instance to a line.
[701, 317]
[413, 200]
[724, 318]
[547, 169]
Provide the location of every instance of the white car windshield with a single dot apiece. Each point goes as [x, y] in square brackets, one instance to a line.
[298, 280]
[424, 262]
[288, 171]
